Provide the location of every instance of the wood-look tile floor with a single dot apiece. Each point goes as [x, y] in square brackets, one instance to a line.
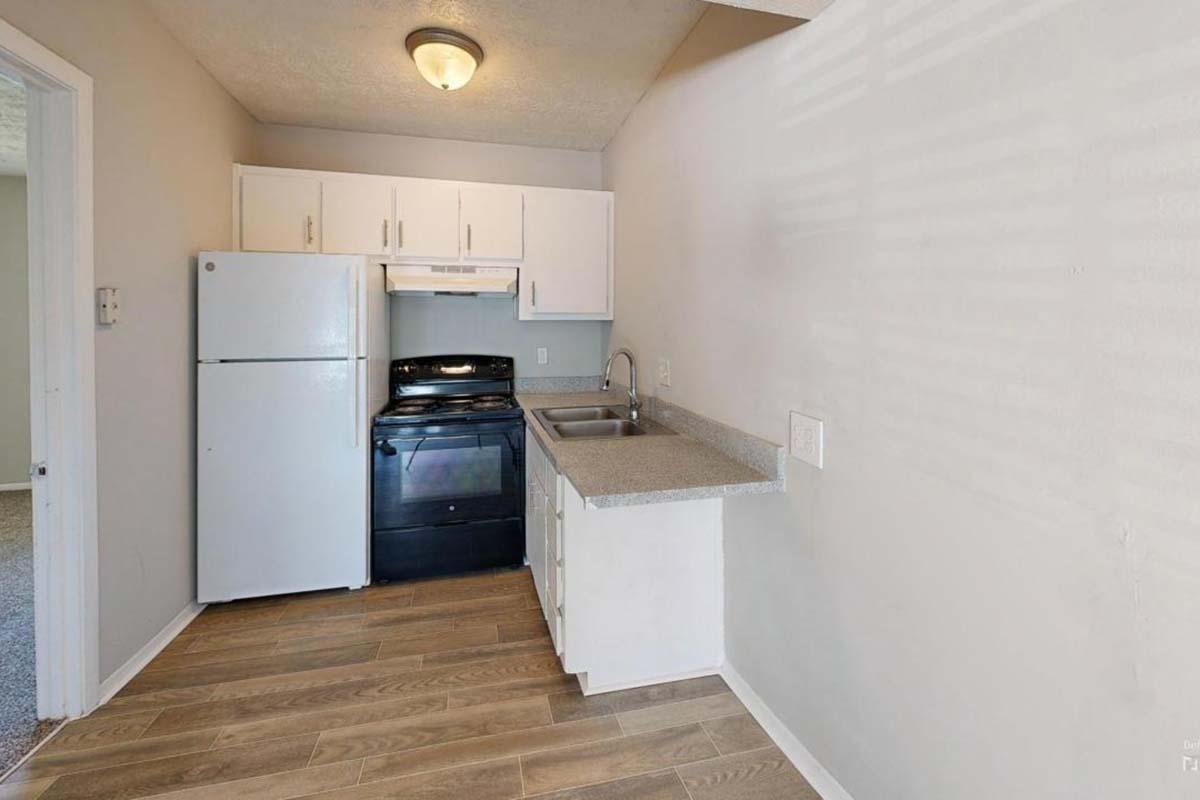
[427, 690]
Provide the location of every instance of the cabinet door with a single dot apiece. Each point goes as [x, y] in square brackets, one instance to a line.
[426, 220]
[281, 213]
[567, 269]
[535, 520]
[356, 216]
[492, 223]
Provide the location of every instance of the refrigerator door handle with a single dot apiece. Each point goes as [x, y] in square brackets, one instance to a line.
[354, 398]
[352, 312]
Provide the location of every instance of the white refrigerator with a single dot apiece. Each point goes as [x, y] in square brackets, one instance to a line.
[293, 363]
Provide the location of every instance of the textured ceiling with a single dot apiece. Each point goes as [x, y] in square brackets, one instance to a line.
[12, 127]
[556, 73]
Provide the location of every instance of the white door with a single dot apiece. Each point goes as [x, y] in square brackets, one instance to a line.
[492, 223]
[356, 216]
[281, 213]
[281, 478]
[567, 268]
[426, 220]
[280, 305]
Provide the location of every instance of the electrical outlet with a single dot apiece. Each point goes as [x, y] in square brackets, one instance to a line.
[664, 372]
[808, 439]
[543, 355]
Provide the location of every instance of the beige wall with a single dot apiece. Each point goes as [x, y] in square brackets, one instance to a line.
[384, 154]
[14, 333]
[966, 236]
[165, 138]
[430, 326]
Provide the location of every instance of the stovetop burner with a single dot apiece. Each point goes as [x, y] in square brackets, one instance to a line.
[450, 406]
[433, 389]
[489, 405]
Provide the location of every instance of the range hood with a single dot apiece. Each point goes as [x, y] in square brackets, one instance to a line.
[481, 281]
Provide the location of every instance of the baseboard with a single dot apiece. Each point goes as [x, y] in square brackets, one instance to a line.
[15, 487]
[125, 673]
[588, 689]
[817, 776]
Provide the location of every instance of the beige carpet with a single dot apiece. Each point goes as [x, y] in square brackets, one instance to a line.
[19, 726]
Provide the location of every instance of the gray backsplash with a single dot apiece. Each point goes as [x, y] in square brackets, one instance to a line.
[423, 326]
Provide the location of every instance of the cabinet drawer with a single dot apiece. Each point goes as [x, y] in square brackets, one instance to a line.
[554, 528]
[550, 476]
[534, 459]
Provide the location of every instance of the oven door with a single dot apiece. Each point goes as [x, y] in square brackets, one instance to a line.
[433, 475]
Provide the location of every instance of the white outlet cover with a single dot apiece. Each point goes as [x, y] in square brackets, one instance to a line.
[807, 439]
[543, 355]
[664, 372]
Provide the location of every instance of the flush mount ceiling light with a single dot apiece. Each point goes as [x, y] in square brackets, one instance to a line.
[444, 58]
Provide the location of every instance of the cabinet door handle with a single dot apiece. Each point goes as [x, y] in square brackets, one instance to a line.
[385, 244]
[468, 238]
[533, 286]
[308, 236]
[399, 234]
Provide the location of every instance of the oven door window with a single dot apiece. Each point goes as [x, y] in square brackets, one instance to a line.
[424, 480]
[446, 471]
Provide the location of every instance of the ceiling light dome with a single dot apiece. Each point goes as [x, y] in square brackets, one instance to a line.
[444, 58]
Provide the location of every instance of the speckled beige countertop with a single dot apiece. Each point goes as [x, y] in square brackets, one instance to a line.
[641, 469]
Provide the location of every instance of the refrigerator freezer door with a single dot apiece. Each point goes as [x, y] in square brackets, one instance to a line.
[282, 478]
[279, 305]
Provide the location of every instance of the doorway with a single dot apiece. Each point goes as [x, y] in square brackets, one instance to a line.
[56, 506]
[20, 728]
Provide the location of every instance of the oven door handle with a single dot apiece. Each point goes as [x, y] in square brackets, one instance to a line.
[419, 439]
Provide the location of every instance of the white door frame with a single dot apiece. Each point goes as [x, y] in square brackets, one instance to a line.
[61, 373]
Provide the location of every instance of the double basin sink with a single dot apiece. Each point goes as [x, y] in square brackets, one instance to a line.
[593, 422]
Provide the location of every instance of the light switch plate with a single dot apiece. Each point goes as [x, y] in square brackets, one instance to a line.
[543, 355]
[108, 305]
[808, 439]
[664, 372]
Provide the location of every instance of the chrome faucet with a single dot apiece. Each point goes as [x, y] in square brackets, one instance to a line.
[635, 405]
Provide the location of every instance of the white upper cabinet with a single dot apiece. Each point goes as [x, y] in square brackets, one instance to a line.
[281, 213]
[356, 216]
[561, 240]
[492, 220]
[426, 220]
[567, 273]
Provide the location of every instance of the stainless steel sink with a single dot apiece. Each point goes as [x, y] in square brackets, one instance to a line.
[579, 414]
[594, 422]
[597, 429]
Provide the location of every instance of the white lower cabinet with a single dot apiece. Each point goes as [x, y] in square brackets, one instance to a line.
[632, 595]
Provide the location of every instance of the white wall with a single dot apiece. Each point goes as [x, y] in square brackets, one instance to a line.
[966, 235]
[443, 325]
[166, 136]
[14, 332]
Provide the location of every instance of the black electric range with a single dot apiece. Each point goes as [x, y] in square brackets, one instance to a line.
[448, 474]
